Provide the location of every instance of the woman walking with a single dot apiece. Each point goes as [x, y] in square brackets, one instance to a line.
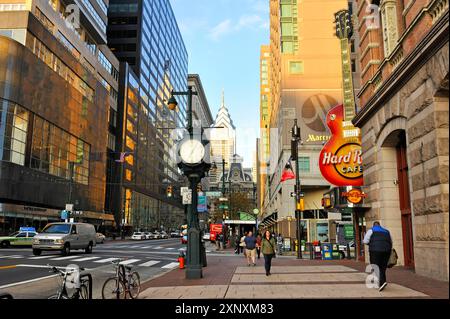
[268, 245]
[258, 245]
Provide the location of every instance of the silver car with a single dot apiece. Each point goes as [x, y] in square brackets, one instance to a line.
[65, 237]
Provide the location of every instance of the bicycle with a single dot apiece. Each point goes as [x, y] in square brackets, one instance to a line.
[81, 291]
[124, 283]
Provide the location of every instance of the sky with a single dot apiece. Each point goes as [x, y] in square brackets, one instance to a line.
[223, 39]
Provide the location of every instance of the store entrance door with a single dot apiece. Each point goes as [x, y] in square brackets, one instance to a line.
[405, 203]
[360, 228]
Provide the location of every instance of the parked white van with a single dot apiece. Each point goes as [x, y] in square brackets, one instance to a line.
[65, 237]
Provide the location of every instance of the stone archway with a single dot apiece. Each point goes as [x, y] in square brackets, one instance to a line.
[395, 210]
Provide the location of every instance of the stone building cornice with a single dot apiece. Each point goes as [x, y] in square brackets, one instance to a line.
[436, 38]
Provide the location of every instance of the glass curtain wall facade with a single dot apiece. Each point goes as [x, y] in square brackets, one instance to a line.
[145, 37]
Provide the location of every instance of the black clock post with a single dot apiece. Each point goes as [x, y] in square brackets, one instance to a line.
[195, 255]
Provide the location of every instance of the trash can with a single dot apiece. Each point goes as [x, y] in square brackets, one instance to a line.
[327, 250]
[317, 250]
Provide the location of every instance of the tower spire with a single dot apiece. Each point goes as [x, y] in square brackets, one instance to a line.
[223, 98]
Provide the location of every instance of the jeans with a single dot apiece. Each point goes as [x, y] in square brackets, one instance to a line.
[381, 259]
[268, 262]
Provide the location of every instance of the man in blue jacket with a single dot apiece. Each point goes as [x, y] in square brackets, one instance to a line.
[380, 246]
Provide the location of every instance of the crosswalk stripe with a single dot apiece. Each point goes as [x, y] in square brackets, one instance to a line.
[159, 247]
[171, 265]
[42, 257]
[65, 258]
[136, 246]
[103, 261]
[13, 256]
[171, 248]
[146, 247]
[86, 258]
[149, 263]
[129, 261]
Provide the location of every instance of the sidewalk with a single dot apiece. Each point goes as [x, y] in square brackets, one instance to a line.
[230, 277]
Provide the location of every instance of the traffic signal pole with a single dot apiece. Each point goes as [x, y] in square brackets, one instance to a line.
[294, 155]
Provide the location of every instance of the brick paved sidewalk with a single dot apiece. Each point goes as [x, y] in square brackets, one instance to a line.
[229, 277]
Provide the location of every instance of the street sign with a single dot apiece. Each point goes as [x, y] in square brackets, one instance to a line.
[69, 207]
[187, 198]
[184, 190]
[213, 194]
[202, 204]
[223, 199]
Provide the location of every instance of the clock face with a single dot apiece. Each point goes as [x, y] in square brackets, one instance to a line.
[192, 151]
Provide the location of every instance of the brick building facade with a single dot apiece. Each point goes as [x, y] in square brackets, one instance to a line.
[404, 122]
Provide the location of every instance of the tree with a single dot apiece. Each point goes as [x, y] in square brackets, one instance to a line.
[239, 202]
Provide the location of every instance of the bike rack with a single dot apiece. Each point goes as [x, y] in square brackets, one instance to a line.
[6, 296]
[89, 277]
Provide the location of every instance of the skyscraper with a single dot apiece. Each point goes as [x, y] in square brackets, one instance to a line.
[59, 84]
[305, 82]
[145, 37]
[223, 140]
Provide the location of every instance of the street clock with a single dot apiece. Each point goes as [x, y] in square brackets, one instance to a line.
[192, 151]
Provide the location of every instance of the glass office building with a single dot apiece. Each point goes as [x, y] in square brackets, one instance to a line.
[145, 37]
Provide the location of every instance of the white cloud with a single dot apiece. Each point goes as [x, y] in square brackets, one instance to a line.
[221, 29]
[248, 21]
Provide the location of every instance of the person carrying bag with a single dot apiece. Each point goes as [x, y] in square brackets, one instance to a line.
[268, 244]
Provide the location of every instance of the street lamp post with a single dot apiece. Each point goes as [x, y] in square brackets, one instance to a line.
[194, 168]
[294, 145]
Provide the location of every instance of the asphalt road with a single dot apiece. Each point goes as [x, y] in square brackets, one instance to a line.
[27, 276]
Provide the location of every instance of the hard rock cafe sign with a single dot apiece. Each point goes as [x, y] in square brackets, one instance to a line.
[340, 160]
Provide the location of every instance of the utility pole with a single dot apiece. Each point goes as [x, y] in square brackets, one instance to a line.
[294, 155]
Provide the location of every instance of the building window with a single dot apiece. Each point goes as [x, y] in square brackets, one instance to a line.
[353, 66]
[296, 67]
[13, 132]
[287, 29]
[53, 149]
[288, 47]
[304, 164]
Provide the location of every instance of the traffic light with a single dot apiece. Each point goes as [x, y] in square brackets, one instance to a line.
[301, 204]
[169, 191]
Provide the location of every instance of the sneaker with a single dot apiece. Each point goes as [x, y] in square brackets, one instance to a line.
[382, 286]
[267, 274]
[248, 265]
[254, 265]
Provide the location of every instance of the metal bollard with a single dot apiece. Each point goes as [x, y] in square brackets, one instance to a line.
[311, 251]
[348, 251]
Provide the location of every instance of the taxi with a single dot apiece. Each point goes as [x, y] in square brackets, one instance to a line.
[23, 237]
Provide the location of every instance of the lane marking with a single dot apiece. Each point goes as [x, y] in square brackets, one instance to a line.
[129, 261]
[170, 248]
[104, 261]
[26, 281]
[65, 258]
[42, 257]
[171, 265]
[13, 257]
[146, 247]
[86, 258]
[158, 247]
[150, 263]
